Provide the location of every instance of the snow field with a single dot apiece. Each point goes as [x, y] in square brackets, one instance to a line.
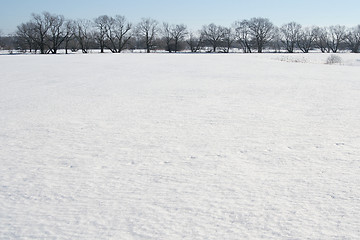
[179, 146]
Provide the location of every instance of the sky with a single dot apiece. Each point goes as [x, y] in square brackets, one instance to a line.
[193, 13]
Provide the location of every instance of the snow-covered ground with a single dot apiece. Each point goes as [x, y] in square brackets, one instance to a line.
[179, 146]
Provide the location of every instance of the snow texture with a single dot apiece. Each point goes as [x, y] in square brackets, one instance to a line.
[179, 146]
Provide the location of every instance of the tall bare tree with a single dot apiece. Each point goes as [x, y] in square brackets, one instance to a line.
[353, 39]
[243, 36]
[276, 42]
[213, 34]
[41, 24]
[69, 34]
[48, 31]
[228, 39]
[83, 34]
[173, 35]
[306, 39]
[261, 30]
[57, 32]
[44, 31]
[167, 36]
[322, 39]
[101, 24]
[1, 40]
[337, 35]
[194, 42]
[26, 35]
[289, 35]
[124, 31]
[147, 30]
[178, 33]
[118, 33]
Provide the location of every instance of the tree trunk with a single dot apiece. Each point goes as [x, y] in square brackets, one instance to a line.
[260, 47]
[66, 47]
[355, 49]
[176, 45]
[42, 49]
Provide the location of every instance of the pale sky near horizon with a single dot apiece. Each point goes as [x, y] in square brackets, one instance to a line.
[193, 13]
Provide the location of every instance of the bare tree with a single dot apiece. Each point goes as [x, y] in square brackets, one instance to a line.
[101, 24]
[39, 28]
[337, 35]
[173, 35]
[228, 39]
[57, 33]
[44, 31]
[306, 38]
[147, 30]
[243, 36]
[213, 34]
[289, 35]
[26, 35]
[194, 42]
[83, 34]
[353, 39]
[276, 42]
[42, 25]
[322, 39]
[70, 27]
[3, 42]
[178, 33]
[168, 38]
[261, 30]
[118, 33]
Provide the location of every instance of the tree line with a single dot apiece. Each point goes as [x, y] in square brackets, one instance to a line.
[46, 33]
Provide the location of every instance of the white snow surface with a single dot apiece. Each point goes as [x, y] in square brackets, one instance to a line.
[179, 146]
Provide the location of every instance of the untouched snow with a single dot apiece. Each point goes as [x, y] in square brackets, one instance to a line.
[182, 146]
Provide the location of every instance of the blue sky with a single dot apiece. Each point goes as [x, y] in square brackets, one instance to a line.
[193, 13]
